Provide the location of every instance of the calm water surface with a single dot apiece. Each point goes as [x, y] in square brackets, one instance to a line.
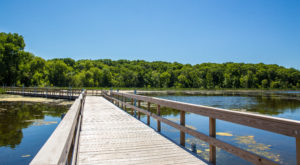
[277, 147]
[24, 128]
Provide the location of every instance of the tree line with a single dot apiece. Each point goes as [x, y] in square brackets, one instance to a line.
[21, 68]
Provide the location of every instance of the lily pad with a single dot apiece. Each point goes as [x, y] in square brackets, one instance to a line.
[25, 156]
[224, 134]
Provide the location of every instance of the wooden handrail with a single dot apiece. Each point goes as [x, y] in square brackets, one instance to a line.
[273, 124]
[67, 93]
[58, 148]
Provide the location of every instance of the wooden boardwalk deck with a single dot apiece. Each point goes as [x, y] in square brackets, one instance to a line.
[111, 136]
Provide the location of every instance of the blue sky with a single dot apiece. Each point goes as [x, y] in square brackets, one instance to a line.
[186, 31]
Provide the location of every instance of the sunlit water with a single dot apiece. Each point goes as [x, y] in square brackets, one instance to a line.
[24, 128]
[277, 147]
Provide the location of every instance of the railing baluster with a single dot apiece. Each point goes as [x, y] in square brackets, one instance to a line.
[125, 104]
[158, 122]
[118, 101]
[182, 122]
[139, 113]
[131, 108]
[148, 117]
[212, 133]
[123, 98]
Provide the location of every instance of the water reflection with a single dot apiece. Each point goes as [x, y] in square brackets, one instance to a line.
[270, 103]
[16, 116]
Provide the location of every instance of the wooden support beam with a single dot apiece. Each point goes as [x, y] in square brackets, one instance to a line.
[182, 122]
[125, 104]
[158, 121]
[139, 113]
[298, 150]
[148, 116]
[132, 108]
[118, 103]
[212, 133]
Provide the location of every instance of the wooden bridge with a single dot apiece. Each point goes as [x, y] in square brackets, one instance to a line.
[101, 130]
[56, 93]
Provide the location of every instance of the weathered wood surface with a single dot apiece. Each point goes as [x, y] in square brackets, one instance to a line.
[111, 136]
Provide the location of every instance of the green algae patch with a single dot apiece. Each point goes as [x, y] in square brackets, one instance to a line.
[202, 147]
[224, 134]
[25, 156]
[250, 144]
[18, 98]
[245, 142]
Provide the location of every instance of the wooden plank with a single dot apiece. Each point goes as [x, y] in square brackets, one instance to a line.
[212, 133]
[111, 136]
[274, 124]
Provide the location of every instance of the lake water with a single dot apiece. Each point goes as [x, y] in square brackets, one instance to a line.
[24, 128]
[277, 147]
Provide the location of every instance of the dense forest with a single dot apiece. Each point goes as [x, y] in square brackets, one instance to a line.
[18, 68]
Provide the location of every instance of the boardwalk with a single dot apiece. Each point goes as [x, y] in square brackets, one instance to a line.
[111, 136]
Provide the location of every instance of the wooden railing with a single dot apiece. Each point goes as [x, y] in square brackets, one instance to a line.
[44, 92]
[61, 147]
[50, 92]
[273, 124]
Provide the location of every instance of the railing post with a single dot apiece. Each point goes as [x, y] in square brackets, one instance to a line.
[135, 103]
[182, 122]
[69, 93]
[148, 116]
[23, 89]
[194, 147]
[110, 94]
[123, 100]
[139, 113]
[118, 98]
[46, 92]
[158, 122]
[131, 108]
[125, 103]
[298, 150]
[212, 133]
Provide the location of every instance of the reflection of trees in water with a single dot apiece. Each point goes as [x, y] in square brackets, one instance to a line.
[15, 116]
[272, 103]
